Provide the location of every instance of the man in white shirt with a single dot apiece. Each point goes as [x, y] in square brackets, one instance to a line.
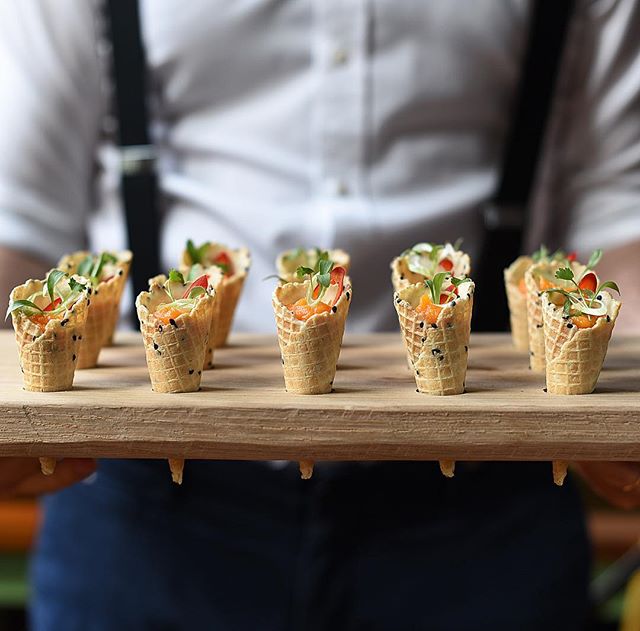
[366, 125]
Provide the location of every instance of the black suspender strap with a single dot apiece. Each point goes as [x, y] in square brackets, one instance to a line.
[505, 217]
[139, 185]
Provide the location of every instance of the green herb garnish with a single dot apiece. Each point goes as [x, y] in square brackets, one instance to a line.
[197, 254]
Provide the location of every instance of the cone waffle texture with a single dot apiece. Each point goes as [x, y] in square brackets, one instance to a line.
[48, 359]
[575, 356]
[175, 353]
[402, 276]
[214, 276]
[310, 349]
[438, 352]
[518, 302]
[287, 263]
[104, 309]
[230, 287]
[535, 324]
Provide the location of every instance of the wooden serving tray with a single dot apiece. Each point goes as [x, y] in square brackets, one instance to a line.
[243, 412]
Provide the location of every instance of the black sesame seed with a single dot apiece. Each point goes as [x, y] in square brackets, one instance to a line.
[89, 290]
[35, 337]
[569, 326]
[421, 325]
[434, 326]
[531, 353]
[79, 337]
[172, 322]
[73, 358]
[436, 351]
[96, 292]
[418, 373]
[424, 338]
[282, 360]
[334, 308]
[453, 304]
[466, 349]
[538, 326]
[88, 303]
[401, 276]
[417, 390]
[449, 325]
[120, 272]
[397, 300]
[199, 372]
[74, 338]
[64, 321]
[544, 389]
[191, 371]
[348, 295]
[608, 318]
[160, 328]
[69, 266]
[599, 298]
[155, 346]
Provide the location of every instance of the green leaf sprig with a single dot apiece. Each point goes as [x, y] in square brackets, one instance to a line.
[320, 276]
[91, 266]
[435, 285]
[197, 254]
[53, 290]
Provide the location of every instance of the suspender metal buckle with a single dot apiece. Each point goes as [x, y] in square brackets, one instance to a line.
[137, 159]
[499, 216]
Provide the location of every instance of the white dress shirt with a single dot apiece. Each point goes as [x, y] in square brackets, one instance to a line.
[363, 124]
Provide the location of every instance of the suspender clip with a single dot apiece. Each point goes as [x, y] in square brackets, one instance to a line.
[137, 159]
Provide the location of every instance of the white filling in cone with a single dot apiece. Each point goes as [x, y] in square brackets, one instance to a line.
[288, 262]
[229, 289]
[104, 311]
[518, 301]
[48, 358]
[310, 349]
[402, 276]
[438, 351]
[575, 356]
[175, 351]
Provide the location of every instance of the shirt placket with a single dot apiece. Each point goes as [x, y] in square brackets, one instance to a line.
[340, 104]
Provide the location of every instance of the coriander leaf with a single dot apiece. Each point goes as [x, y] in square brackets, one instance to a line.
[54, 277]
[594, 259]
[301, 272]
[76, 285]
[175, 276]
[15, 305]
[565, 273]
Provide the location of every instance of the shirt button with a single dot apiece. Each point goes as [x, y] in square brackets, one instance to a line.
[340, 57]
[336, 187]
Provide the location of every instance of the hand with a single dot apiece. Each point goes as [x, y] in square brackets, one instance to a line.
[22, 477]
[616, 482]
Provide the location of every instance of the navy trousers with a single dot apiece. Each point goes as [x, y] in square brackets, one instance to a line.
[385, 546]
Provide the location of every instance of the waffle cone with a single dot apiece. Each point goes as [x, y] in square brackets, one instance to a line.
[309, 349]
[229, 289]
[48, 359]
[104, 311]
[402, 276]
[176, 466]
[575, 356]
[438, 352]
[175, 354]
[287, 263]
[518, 302]
[214, 275]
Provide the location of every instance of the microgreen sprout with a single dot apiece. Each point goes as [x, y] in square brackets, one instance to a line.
[197, 254]
[61, 296]
[445, 284]
[91, 266]
[319, 278]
